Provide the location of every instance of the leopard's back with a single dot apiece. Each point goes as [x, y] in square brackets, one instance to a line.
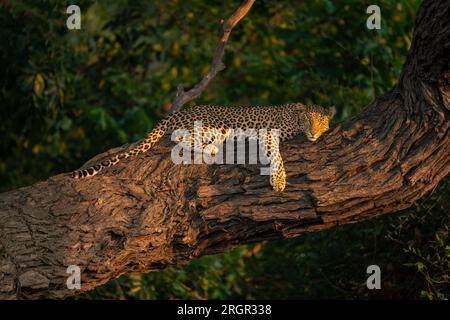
[234, 117]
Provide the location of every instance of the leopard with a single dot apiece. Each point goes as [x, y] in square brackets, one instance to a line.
[287, 121]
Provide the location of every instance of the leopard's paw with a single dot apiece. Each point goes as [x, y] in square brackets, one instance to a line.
[278, 182]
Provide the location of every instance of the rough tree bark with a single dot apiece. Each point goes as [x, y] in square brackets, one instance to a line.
[147, 213]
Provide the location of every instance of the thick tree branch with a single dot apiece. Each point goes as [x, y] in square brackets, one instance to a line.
[182, 96]
[147, 213]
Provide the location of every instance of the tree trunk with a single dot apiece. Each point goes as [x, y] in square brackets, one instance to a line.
[146, 213]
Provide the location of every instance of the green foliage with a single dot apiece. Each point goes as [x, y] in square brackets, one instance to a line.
[68, 95]
[210, 277]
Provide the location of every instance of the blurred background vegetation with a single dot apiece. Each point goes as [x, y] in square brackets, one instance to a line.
[69, 95]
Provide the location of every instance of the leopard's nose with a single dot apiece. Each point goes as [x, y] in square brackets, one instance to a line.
[312, 135]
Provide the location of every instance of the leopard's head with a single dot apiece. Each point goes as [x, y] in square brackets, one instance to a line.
[318, 121]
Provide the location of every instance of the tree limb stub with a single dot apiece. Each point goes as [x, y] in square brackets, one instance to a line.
[146, 213]
[182, 97]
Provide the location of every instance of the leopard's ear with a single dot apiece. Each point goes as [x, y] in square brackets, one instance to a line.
[331, 112]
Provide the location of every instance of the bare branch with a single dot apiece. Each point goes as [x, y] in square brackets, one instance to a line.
[182, 97]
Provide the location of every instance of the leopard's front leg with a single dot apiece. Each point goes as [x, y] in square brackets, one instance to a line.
[270, 143]
[278, 174]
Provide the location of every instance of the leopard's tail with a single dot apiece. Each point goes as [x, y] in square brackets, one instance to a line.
[151, 139]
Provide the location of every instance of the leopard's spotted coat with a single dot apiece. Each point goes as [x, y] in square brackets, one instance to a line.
[289, 119]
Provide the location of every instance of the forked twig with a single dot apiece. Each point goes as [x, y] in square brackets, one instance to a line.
[182, 96]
